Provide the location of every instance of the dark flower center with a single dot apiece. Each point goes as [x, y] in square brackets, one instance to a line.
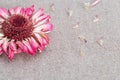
[18, 21]
[17, 27]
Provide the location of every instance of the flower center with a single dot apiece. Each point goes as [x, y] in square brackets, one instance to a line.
[17, 27]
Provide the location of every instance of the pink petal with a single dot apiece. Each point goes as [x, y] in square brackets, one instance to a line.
[39, 39]
[48, 28]
[44, 28]
[33, 43]
[22, 47]
[19, 50]
[10, 54]
[30, 49]
[37, 14]
[30, 10]
[15, 10]
[11, 11]
[43, 39]
[23, 11]
[5, 45]
[41, 20]
[11, 49]
[3, 13]
[13, 46]
[27, 11]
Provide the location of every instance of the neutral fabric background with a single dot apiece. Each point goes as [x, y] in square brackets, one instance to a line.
[62, 60]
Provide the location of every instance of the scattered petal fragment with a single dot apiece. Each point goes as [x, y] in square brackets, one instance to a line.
[82, 38]
[52, 6]
[70, 13]
[87, 5]
[82, 53]
[95, 2]
[76, 26]
[96, 19]
[100, 41]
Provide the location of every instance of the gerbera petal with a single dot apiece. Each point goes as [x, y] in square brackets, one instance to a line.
[11, 11]
[22, 47]
[23, 11]
[12, 45]
[44, 28]
[33, 43]
[12, 50]
[19, 50]
[29, 11]
[3, 13]
[5, 45]
[39, 39]
[37, 14]
[41, 20]
[45, 39]
[10, 53]
[15, 10]
[27, 44]
[47, 28]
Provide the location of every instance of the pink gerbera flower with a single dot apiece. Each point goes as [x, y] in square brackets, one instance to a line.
[23, 31]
